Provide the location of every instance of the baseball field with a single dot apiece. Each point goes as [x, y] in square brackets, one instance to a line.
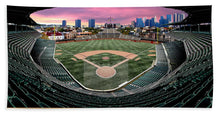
[105, 64]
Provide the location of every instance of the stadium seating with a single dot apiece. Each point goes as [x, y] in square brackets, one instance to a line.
[109, 33]
[129, 37]
[44, 56]
[158, 71]
[176, 53]
[182, 75]
[189, 83]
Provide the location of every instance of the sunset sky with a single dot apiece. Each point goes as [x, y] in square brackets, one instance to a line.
[122, 15]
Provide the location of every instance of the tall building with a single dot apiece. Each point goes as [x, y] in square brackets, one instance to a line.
[182, 16]
[163, 22]
[139, 22]
[155, 19]
[91, 23]
[106, 25]
[157, 24]
[178, 17]
[169, 18]
[152, 22]
[133, 24]
[144, 19]
[147, 22]
[175, 17]
[77, 23]
[166, 22]
[63, 23]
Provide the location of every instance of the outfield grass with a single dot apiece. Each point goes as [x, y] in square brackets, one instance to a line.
[85, 73]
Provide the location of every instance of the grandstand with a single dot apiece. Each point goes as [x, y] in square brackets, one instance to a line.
[110, 33]
[182, 75]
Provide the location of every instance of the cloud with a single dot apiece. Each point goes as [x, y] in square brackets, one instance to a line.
[122, 15]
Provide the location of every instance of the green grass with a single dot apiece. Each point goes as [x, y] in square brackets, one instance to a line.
[113, 59]
[85, 73]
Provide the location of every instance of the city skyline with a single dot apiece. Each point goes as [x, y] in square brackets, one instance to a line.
[122, 15]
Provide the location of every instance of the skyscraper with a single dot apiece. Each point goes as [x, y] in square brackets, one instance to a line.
[169, 18]
[91, 23]
[147, 22]
[166, 22]
[157, 24]
[139, 22]
[163, 22]
[152, 22]
[179, 17]
[144, 19]
[133, 24]
[155, 19]
[175, 17]
[182, 16]
[77, 23]
[63, 23]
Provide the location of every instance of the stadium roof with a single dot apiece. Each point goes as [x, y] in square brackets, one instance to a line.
[21, 15]
[196, 14]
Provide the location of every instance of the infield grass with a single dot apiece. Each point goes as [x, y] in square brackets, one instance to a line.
[85, 73]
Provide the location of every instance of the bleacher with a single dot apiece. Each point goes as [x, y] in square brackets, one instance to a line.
[176, 53]
[45, 52]
[109, 33]
[21, 67]
[129, 37]
[21, 46]
[188, 84]
[158, 71]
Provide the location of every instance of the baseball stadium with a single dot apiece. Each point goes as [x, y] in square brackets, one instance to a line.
[109, 68]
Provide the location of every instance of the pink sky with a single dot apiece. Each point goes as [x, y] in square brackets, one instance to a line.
[122, 15]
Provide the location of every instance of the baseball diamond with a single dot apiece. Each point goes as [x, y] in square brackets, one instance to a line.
[139, 63]
[105, 64]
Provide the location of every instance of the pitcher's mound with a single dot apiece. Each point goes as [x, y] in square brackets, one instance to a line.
[105, 58]
[106, 72]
